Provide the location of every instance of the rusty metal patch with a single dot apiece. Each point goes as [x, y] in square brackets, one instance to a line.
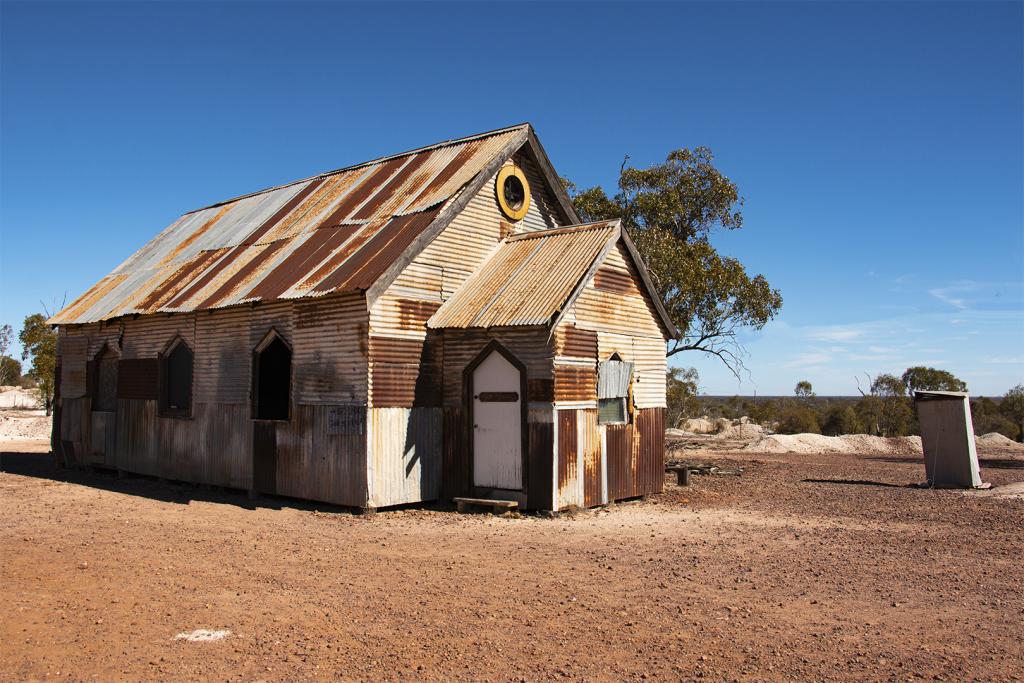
[413, 314]
[267, 225]
[392, 200]
[617, 282]
[242, 276]
[618, 443]
[650, 428]
[574, 383]
[406, 385]
[567, 448]
[540, 390]
[383, 247]
[573, 341]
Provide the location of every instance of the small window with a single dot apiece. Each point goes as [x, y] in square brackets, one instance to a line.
[513, 192]
[176, 384]
[611, 411]
[105, 381]
[614, 377]
[272, 374]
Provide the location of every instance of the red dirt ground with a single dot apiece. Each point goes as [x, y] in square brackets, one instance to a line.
[784, 572]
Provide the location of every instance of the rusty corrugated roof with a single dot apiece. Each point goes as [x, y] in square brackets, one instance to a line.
[529, 280]
[338, 231]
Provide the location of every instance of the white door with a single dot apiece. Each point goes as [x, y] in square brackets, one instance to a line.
[497, 425]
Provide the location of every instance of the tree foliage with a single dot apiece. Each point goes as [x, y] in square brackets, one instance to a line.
[670, 210]
[840, 420]
[1012, 406]
[8, 376]
[798, 419]
[39, 343]
[920, 378]
[10, 371]
[681, 386]
[804, 389]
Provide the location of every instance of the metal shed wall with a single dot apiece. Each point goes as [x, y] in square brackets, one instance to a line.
[602, 463]
[321, 450]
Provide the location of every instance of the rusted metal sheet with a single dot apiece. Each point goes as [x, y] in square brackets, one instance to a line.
[650, 434]
[619, 456]
[612, 280]
[405, 372]
[335, 232]
[575, 383]
[137, 378]
[405, 385]
[568, 452]
[541, 390]
[636, 455]
[528, 280]
[573, 341]
[593, 464]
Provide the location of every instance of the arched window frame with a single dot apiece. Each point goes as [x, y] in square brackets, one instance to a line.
[268, 339]
[164, 407]
[94, 381]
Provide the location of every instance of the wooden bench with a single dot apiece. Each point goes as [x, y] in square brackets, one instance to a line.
[484, 505]
[682, 474]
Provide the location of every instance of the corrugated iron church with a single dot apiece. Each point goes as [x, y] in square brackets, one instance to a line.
[423, 326]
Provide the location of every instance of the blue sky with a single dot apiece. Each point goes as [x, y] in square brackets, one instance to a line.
[878, 146]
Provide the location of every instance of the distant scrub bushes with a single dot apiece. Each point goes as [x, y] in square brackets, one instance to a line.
[887, 409]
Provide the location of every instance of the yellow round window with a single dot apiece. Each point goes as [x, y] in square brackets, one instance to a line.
[513, 192]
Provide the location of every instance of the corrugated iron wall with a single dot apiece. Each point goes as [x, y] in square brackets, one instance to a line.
[612, 315]
[568, 460]
[636, 455]
[541, 458]
[592, 458]
[321, 451]
[405, 453]
[613, 306]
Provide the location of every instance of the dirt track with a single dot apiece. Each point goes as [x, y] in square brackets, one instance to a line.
[781, 573]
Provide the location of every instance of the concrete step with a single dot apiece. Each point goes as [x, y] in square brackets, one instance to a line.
[484, 505]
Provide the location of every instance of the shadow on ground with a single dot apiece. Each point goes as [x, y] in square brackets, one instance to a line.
[857, 482]
[994, 463]
[44, 466]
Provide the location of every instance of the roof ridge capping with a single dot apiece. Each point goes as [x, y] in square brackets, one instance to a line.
[445, 143]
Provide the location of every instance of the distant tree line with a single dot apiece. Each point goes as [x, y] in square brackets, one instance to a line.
[884, 408]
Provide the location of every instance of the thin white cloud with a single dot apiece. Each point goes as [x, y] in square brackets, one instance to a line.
[811, 359]
[837, 334]
[945, 295]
